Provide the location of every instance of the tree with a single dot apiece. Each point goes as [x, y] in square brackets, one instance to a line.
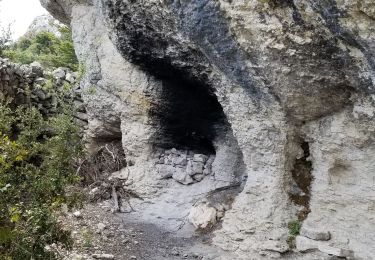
[5, 37]
[45, 47]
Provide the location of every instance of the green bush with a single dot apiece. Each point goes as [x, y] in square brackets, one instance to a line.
[294, 227]
[37, 158]
[46, 48]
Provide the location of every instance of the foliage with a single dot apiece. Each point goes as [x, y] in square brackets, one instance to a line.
[5, 38]
[51, 51]
[37, 158]
[88, 237]
[294, 227]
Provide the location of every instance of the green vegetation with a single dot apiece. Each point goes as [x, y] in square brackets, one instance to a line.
[5, 38]
[88, 237]
[294, 229]
[46, 48]
[37, 164]
[37, 155]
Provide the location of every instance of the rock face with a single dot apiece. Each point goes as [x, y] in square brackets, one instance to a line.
[44, 23]
[281, 92]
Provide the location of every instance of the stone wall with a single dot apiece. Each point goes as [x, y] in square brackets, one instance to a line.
[22, 84]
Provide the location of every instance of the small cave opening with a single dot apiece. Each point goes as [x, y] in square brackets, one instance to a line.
[188, 116]
[302, 179]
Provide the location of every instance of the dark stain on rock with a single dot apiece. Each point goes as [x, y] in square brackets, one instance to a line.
[151, 41]
[302, 177]
[331, 14]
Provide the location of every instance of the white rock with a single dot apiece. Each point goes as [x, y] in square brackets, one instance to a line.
[181, 160]
[207, 171]
[94, 191]
[315, 234]
[165, 171]
[77, 214]
[197, 167]
[70, 78]
[101, 227]
[198, 177]
[77, 257]
[122, 174]
[304, 244]
[103, 256]
[189, 168]
[200, 158]
[182, 177]
[202, 216]
[58, 73]
[275, 246]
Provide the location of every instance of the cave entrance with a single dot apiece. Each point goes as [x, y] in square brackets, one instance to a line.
[189, 116]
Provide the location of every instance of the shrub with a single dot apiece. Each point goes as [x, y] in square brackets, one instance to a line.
[46, 48]
[37, 158]
[294, 227]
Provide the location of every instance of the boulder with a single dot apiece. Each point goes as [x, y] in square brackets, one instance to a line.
[202, 216]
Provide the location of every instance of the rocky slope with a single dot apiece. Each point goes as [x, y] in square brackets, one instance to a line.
[44, 23]
[279, 94]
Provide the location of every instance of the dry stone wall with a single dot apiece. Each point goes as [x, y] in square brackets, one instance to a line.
[22, 84]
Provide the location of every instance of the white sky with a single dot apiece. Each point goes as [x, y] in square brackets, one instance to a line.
[20, 13]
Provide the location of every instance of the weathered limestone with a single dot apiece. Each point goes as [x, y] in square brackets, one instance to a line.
[281, 92]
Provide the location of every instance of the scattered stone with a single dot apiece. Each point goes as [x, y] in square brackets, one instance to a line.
[77, 214]
[103, 256]
[77, 257]
[198, 177]
[165, 171]
[181, 160]
[275, 246]
[58, 73]
[40, 81]
[197, 167]
[175, 252]
[207, 171]
[182, 177]
[70, 78]
[122, 174]
[200, 158]
[202, 216]
[304, 244]
[101, 227]
[189, 168]
[315, 234]
[94, 191]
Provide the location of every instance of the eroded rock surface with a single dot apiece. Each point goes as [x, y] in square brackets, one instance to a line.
[279, 92]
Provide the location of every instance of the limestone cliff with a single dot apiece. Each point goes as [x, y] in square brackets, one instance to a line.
[279, 93]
